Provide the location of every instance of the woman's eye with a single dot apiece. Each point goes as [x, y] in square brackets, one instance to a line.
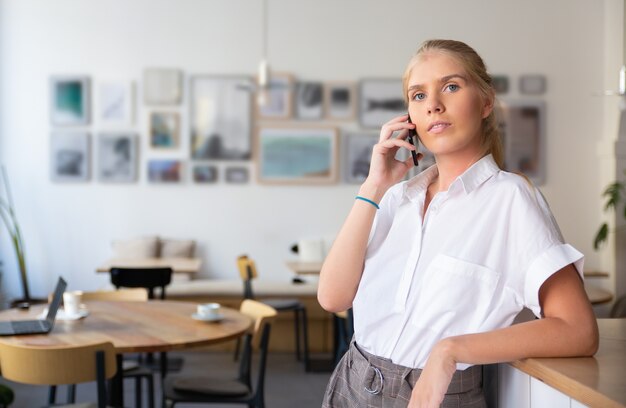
[419, 96]
[453, 87]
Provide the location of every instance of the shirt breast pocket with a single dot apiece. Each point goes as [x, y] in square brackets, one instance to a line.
[455, 296]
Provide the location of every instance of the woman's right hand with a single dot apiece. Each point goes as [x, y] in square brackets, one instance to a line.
[385, 170]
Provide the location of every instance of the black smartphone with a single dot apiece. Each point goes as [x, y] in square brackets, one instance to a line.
[413, 134]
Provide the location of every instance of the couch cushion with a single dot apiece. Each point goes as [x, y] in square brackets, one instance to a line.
[177, 248]
[147, 247]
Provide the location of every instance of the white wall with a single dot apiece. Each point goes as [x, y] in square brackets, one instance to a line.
[68, 227]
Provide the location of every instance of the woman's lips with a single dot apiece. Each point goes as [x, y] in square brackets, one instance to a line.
[438, 127]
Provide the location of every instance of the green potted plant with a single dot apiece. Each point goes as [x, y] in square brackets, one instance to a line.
[614, 195]
[7, 215]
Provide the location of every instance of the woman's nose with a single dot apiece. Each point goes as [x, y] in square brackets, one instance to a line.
[435, 106]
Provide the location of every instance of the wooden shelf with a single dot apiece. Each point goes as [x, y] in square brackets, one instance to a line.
[595, 274]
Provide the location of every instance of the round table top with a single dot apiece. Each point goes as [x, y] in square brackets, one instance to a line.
[151, 326]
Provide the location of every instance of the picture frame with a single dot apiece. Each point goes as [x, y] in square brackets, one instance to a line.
[237, 175]
[162, 86]
[340, 100]
[277, 98]
[380, 100]
[500, 83]
[117, 157]
[221, 117]
[357, 147]
[297, 155]
[70, 158]
[164, 130]
[70, 100]
[167, 171]
[532, 84]
[309, 100]
[205, 174]
[523, 126]
[116, 101]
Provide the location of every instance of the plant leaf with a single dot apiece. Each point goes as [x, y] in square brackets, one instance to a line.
[601, 236]
[613, 194]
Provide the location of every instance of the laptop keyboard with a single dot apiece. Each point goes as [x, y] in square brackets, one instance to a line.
[28, 326]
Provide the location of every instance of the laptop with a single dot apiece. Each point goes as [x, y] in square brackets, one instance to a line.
[39, 326]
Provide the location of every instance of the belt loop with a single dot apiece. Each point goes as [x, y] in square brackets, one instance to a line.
[377, 390]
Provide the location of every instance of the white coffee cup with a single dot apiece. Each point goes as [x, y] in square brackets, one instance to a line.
[72, 301]
[209, 310]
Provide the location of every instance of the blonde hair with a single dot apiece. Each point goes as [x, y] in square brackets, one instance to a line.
[477, 72]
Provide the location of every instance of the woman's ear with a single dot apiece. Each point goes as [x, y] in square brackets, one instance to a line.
[488, 104]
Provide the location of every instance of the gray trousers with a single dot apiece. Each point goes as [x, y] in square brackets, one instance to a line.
[364, 380]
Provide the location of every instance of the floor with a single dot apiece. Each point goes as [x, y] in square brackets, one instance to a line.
[287, 384]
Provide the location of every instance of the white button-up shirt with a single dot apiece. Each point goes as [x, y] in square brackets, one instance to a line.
[470, 264]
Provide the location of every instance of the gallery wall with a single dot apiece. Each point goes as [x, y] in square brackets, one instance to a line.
[68, 227]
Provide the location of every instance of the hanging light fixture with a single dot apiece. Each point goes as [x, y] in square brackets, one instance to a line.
[263, 74]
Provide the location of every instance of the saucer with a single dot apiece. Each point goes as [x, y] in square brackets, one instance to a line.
[63, 315]
[215, 318]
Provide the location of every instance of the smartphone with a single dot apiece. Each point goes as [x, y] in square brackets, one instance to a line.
[413, 134]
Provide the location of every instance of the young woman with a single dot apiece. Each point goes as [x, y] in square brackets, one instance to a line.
[437, 267]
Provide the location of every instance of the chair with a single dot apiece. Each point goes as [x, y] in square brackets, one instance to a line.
[150, 279]
[619, 308]
[131, 368]
[59, 365]
[212, 389]
[248, 271]
[344, 329]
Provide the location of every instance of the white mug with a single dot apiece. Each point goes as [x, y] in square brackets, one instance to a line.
[72, 302]
[209, 310]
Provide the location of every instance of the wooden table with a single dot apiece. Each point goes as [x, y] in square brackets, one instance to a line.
[189, 266]
[598, 381]
[154, 326]
[305, 268]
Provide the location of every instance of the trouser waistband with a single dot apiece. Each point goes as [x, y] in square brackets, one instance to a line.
[381, 373]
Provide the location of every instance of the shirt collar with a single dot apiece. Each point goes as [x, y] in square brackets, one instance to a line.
[473, 177]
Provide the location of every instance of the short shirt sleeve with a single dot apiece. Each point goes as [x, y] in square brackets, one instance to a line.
[384, 217]
[545, 251]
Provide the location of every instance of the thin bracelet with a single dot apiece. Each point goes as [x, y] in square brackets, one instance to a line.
[367, 200]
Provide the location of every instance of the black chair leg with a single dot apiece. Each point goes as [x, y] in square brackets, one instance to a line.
[296, 314]
[71, 393]
[305, 335]
[52, 395]
[138, 392]
[150, 392]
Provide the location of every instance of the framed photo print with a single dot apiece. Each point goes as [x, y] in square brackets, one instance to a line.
[162, 86]
[204, 174]
[117, 157]
[309, 100]
[221, 112]
[532, 84]
[69, 156]
[500, 83]
[275, 102]
[164, 129]
[237, 175]
[357, 155]
[379, 101]
[340, 100]
[522, 125]
[165, 171]
[69, 100]
[297, 155]
[115, 103]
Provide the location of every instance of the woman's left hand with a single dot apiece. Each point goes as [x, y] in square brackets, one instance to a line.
[433, 383]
